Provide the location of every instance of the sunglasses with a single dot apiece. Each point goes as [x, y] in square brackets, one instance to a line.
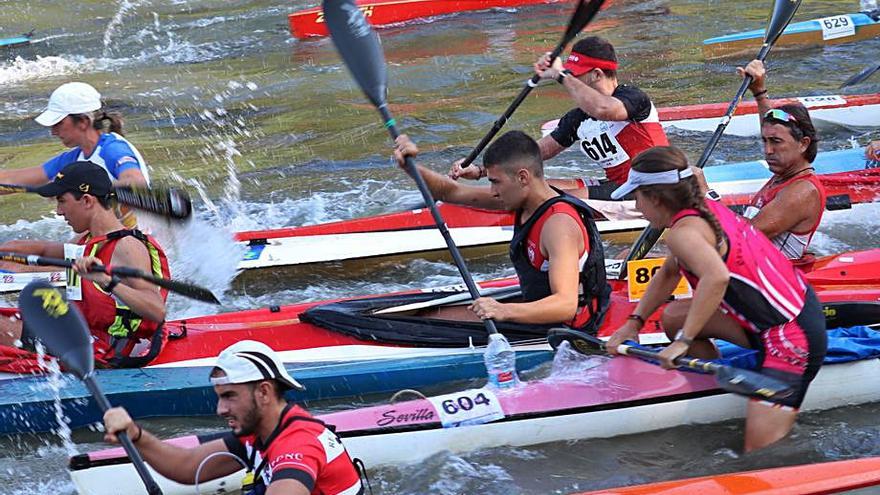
[781, 115]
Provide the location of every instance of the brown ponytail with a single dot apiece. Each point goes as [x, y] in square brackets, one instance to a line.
[108, 122]
[686, 194]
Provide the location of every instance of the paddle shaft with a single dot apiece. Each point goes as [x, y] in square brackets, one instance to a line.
[127, 445]
[682, 361]
[581, 17]
[438, 219]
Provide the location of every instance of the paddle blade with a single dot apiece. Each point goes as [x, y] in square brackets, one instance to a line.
[186, 289]
[169, 202]
[58, 325]
[582, 342]
[861, 76]
[583, 14]
[750, 383]
[359, 47]
[783, 11]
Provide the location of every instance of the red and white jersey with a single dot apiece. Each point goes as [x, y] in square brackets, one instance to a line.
[765, 290]
[613, 144]
[793, 244]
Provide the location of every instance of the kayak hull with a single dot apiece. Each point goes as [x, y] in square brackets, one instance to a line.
[798, 34]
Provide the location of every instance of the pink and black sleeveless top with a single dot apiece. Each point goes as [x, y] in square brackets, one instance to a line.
[765, 289]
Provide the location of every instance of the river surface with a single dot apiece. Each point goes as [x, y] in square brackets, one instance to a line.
[269, 131]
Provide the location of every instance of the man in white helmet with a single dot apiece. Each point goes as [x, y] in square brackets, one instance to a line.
[286, 449]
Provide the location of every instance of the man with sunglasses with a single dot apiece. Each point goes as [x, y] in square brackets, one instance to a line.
[611, 124]
[789, 207]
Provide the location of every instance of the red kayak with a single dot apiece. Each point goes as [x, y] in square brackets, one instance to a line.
[310, 22]
[807, 479]
[365, 328]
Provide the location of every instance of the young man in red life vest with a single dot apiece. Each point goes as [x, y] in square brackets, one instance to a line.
[121, 313]
[789, 207]
[556, 249]
[287, 451]
[611, 124]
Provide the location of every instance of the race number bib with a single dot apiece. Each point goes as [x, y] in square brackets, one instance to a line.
[74, 281]
[470, 407]
[822, 101]
[838, 26]
[604, 150]
[639, 274]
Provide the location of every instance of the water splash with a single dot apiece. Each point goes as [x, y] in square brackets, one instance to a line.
[55, 381]
[125, 6]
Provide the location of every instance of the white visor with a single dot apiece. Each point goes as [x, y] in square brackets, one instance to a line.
[637, 179]
[251, 361]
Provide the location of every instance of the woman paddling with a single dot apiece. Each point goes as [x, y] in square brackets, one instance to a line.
[76, 116]
[745, 290]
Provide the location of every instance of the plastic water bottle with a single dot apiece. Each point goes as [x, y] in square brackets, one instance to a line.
[868, 5]
[500, 362]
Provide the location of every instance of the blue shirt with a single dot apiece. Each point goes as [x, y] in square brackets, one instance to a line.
[113, 153]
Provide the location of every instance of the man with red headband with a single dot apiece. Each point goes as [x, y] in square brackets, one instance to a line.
[611, 124]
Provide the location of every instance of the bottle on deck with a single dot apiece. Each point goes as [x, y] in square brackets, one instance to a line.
[500, 362]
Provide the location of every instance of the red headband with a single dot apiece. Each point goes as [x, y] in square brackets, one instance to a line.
[579, 63]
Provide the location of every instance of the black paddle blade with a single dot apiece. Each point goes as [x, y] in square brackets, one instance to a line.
[168, 202]
[861, 76]
[58, 325]
[359, 46]
[186, 289]
[783, 11]
[751, 383]
[583, 14]
[582, 342]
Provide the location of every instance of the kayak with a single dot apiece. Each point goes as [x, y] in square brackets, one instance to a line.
[414, 231]
[850, 111]
[16, 41]
[831, 30]
[807, 479]
[603, 397]
[310, 22]
[367, 345]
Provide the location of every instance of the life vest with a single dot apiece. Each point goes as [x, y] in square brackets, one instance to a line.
[765, 289]
[792, 244]
[594, 292]
[115, 327]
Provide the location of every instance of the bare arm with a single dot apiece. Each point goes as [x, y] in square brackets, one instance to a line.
[39, 248]
[549, 147]
[29, 176]
[287, 487]
[561, 240]
[596, 104]
[173, 462]
[758, 86]
[795, 208]
[444, 188]
[132, 176]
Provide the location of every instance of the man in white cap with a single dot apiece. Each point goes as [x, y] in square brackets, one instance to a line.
[77, 118]
[286, 449]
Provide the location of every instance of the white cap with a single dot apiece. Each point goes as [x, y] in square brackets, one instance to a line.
[636, 179]
[251, 361]
[69, 99]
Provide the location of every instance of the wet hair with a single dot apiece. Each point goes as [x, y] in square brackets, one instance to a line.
[800, 129]
[103, 121]
[513, 151]
[680, 196]
[597, 47]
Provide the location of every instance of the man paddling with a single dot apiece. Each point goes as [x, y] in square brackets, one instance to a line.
[611, 124]
[286, 450]
[789, 207]
[556, 249]
[121, 313]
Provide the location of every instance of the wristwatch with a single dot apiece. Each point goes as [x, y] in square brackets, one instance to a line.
[680, 337]
[562, 75]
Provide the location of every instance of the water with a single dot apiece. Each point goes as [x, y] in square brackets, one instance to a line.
[270, 132]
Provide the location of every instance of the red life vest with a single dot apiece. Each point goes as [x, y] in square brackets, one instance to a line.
[792, 244]
[115, 327]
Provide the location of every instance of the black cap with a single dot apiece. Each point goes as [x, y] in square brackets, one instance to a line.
[81, 177]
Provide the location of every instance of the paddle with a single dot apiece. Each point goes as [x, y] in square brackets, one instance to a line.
[359, 47]
[583, 14]
[734, 380]
[169, 202]
[183, 288]
[60, 327]
[861, 76]
[783, 11]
